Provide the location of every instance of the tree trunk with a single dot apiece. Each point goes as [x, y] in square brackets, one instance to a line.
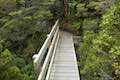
[65, 4]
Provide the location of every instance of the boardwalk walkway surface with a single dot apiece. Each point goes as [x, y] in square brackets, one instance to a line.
[56, 59]
[64, 65]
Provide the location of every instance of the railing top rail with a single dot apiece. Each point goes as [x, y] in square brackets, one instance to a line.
[48, 57]
[43, 49]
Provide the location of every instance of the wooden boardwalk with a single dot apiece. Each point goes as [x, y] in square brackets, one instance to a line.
[56, 59]
[64, 65]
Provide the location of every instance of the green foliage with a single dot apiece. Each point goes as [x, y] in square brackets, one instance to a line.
[15, 13]
[101, 54]
[6, 53]
[89, 12]
[42, 14]
[7, 3]
[97, 5]
[111, 19]
[76, 25]
[81, 9]
[91, 8]
[15, 74]
[9, 71]
[24, 25]
[90, 24]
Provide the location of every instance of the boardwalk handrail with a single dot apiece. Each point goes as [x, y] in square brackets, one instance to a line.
[52, 59]
[40, 67]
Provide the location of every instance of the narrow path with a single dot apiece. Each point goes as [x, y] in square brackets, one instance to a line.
[65, 63]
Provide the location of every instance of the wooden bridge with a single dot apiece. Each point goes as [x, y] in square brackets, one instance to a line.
[57, 59]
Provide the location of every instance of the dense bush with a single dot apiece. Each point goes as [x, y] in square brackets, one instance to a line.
[24, 25]
[100, 52]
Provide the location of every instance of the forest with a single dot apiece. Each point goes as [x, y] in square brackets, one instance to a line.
[24, 25]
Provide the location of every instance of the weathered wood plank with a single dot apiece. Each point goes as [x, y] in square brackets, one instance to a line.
[64, 66]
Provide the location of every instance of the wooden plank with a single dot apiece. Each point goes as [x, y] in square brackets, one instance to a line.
[64, 66]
